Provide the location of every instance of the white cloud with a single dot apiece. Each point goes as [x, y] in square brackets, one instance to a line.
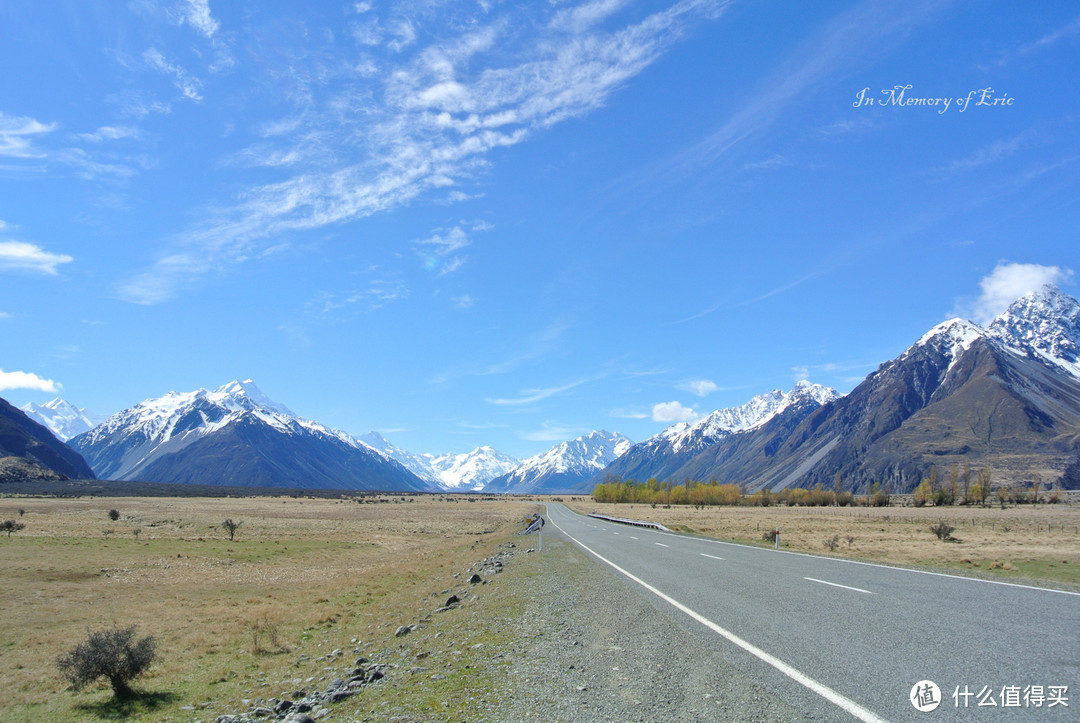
[26, 380]
[1008, 282]
[700, 387]
[673, 412]
[19, 255]
[109, 133]
[463, 302]
[427, 121]
[188, 86]
[554, 432]
[197, 14]
[17, 134]
[628, 414]
[528, 396]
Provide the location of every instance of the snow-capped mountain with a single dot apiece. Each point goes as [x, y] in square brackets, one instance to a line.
[472, 470]
[664, 453]
[29, 450]
[63, 418]
[416, 464]
[1006, 398]
[469, 471]
[234, 435]
[564, 467]
[1043, 324]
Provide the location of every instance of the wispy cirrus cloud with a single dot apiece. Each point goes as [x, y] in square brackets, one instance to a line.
[868, 30]
[188, 85]
[408, 119]
[531, 396]
[17, 135]
[551, 431]
[700, 387]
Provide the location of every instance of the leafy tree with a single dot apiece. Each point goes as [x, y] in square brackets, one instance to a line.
[923, 493]
[10, 526]
[113, 654]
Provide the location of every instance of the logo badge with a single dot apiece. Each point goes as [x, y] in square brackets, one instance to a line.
[925, 696]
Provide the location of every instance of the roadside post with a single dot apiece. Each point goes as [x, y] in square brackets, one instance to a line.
[776, 539]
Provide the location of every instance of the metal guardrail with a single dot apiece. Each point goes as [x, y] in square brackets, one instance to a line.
[635, 523]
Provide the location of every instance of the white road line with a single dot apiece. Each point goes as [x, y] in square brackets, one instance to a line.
[712, 556]
[660, 544]
[614, 533]
[895, 568]
[836, 584]
[632, 537]
[824, 691]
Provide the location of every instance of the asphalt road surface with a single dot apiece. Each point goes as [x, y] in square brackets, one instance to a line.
[847, 640]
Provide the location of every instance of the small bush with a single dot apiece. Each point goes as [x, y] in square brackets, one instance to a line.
[113, 654]
[10, 526]
[230, 527]
[832, 543]
[769, 536]
[943, 531]
[114, 515]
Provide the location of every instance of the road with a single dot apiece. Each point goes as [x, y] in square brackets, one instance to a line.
[844, 640]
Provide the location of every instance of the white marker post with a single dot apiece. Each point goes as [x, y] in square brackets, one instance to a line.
[776, 539]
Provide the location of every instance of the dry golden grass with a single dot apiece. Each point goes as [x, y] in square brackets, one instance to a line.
[319, 573]
[1038, 543]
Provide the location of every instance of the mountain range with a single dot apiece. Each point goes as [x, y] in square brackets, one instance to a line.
[1005, 396]
[64, 419]
[564, 467]
[234, 436]
[30, 450]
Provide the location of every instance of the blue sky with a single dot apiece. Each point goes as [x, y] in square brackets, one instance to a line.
[511, 224]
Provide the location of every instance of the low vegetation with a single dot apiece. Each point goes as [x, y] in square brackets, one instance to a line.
[113, 654]
[1024, 543]
[233, 620]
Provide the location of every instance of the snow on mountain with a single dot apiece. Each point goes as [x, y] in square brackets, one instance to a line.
[949, 338]
[63, 418]
[693, 436]
[564, 466]
[131, 442]
[470, 471]
[1044, 324]
[417, 464]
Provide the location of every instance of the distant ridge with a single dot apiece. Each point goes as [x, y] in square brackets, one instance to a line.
[235, 435]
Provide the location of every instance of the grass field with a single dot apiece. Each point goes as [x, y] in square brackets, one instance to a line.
[1035, 543]
[310, 584]
[233, 619]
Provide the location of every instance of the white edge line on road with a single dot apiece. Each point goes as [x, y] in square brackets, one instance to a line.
[871, 564]
[660, 544]
[836, 584]
[712, 556]
[824, 691]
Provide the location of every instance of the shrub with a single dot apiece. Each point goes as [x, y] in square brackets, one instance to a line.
[230, 527]
[832, 543]
[113, 654]
[114, 515]
[10, 526]
[943, 531]
[770, 536]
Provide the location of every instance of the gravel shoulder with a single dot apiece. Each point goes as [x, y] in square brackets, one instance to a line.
[588, 647]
